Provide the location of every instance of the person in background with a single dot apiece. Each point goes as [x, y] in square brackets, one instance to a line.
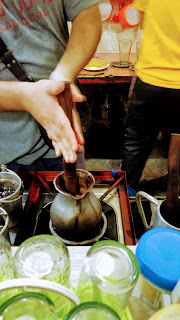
[37, 34]
[154, 96]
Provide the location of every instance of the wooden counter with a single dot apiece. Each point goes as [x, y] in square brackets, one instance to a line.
[109, 75]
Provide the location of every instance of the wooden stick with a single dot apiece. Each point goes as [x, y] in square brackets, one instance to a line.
[70, 176]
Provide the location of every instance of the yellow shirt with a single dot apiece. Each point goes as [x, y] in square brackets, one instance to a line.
[159, 59]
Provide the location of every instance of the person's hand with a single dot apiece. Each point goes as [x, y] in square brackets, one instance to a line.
[40, 100]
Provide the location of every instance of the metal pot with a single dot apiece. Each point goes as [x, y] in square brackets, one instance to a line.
[77, 214]
[157, 220]
[4, 220]
[11, 188]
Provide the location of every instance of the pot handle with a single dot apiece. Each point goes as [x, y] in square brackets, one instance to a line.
[145, 195]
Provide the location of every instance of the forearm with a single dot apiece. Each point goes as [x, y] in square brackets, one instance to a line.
[83, 41]
[11, 95]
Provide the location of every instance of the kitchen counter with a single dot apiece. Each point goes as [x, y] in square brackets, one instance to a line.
[109, 75]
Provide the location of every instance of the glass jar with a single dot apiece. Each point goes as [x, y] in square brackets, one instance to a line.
[91, 311]
[28, 306]
[45, 257]
[158, 256]
[109, 274]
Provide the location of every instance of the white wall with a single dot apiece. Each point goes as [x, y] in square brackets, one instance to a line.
[112, 32]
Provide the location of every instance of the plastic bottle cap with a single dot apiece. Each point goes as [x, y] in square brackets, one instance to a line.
[158, 254]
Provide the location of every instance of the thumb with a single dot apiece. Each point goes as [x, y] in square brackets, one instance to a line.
[55, 87]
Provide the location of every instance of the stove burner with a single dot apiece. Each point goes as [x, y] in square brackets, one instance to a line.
[106, 230]
[98, 234]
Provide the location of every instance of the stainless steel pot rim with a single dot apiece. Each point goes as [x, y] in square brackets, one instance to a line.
[76, 243]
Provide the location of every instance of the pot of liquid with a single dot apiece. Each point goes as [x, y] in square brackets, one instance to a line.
[76, 216]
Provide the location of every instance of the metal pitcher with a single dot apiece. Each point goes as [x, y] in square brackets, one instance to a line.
[11, 190]
[78, 214]
[157, 220]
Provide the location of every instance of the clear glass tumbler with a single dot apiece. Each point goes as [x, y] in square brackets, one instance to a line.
[109, 274]
[28, 306]
[45, 257]
[6, 260]
[6, 266]
[124, 52]
[91, 311]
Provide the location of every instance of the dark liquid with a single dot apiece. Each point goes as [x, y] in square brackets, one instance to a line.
[83, 184]
[172, 217]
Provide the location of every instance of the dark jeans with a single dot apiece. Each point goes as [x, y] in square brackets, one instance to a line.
[148, 107]
[43, 164]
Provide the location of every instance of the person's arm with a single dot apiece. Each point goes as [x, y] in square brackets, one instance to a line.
[40, 98]
[84, 38]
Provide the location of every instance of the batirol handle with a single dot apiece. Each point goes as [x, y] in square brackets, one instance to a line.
[70, 177]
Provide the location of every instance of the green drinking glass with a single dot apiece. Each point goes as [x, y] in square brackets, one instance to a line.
[109, 274]
[28, 306]
[91, 311]
[45, 257]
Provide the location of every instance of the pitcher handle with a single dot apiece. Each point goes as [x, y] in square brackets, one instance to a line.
[147, 196]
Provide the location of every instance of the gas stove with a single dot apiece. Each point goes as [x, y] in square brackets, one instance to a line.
[39, 193]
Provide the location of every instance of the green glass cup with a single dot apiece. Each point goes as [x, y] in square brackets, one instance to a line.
[45, 257]
[28, 306]
[6, 260]
[92, 310]
[50, 289]
[6, 267]
[109, 274]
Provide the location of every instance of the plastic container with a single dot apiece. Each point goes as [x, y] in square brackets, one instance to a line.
[158, 256]
[129, 17]
[91, 311]
[171, 312]
[109, 274]
[28, 306]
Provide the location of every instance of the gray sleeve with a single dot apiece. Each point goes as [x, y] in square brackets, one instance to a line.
[74, 7]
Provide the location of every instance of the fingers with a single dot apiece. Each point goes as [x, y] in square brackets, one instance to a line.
[65, 143]
[77, 96]
[66, 140]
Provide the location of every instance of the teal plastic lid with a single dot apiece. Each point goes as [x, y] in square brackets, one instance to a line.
[158, 254]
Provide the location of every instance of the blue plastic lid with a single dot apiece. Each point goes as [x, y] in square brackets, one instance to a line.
[158, 254]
